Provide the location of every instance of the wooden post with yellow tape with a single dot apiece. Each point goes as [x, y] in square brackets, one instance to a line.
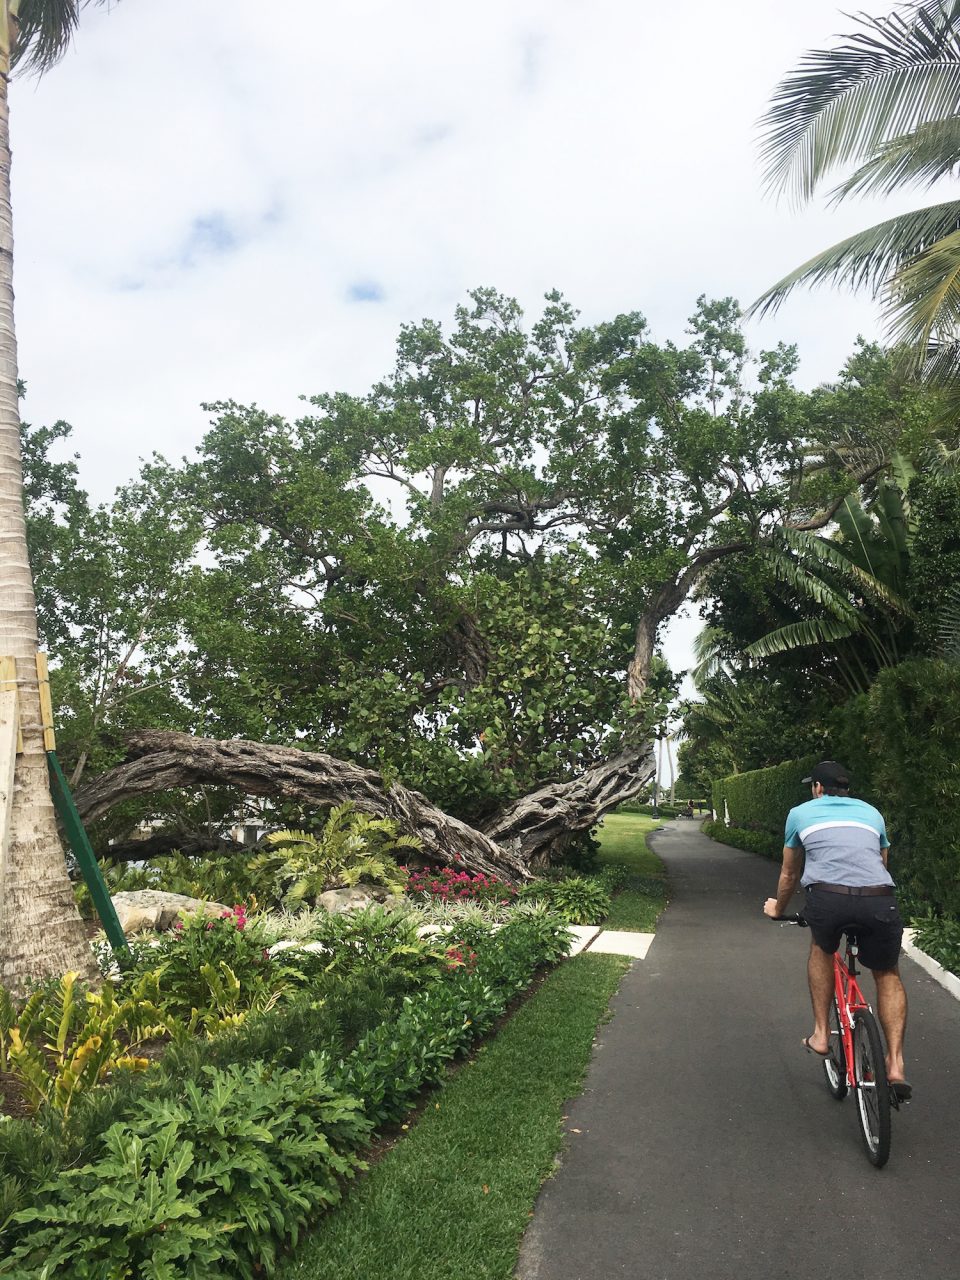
[11, 744]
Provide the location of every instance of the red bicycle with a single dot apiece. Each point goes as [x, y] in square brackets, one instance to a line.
[856, 1059]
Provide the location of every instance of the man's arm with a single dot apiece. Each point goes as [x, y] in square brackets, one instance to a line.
[789, 876]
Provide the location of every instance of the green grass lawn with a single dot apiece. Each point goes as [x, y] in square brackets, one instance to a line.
[623, 840]
[452, 1199]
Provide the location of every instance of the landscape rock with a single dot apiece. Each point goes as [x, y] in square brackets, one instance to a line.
[353, 899]
[144, 909]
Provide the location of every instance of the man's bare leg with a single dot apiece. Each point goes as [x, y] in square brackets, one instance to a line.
[820, 977]
[892, 1012]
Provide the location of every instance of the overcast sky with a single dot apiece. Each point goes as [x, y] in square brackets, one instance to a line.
[226, 199]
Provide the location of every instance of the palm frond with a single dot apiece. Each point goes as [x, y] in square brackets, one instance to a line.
[707, 654]
[930, 152]
[821, 551]
[891, 76]
[46, 31]
[797, 635]
[869, 258]
[810, 585]
[923, 296]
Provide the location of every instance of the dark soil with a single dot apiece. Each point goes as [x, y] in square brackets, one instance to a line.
[12, 1100]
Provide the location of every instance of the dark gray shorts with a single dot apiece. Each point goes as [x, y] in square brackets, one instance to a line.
[877, 920]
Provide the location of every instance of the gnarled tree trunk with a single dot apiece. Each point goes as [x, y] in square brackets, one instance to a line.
[525, 834]
[536, 826]
[160, 761]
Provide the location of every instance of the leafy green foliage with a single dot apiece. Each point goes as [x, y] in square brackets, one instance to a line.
[497, 1126]
[352, 848]
[561, 480]
[901, 742]
[575, 899]
[910, 723]
[753, 841]
[760, 799]
[886, 102]
[213, 1179]
[939, 938]
[65, 1040]
[270, 1139]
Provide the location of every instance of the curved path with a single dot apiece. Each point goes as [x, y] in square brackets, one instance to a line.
[706, 1146]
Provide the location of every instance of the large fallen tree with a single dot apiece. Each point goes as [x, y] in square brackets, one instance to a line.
[522, 835]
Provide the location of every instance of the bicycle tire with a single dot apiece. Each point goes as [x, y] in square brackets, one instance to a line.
[835, 1066]
[873, 1092]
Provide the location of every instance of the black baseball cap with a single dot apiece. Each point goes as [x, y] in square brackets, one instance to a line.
[829, 773]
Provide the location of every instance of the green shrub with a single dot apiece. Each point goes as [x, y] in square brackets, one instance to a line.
[352, 848]
[613, 877]
[761, 842]
[901, 742]
[760, 799]
[911, 721]
[575, 899]
[940, 939]
[188, 1186]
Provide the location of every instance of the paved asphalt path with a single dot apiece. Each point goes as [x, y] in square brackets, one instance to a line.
[706, 1144]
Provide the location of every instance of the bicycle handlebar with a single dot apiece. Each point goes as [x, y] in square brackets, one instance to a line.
[795, 918]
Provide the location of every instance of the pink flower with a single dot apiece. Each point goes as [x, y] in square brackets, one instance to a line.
[210, 924]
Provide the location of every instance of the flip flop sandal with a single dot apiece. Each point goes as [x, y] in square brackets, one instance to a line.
[820, 1053]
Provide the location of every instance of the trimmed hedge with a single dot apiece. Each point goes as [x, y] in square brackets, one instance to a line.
[752, 841]
[901, 742]
[759, 800]
[909, 724]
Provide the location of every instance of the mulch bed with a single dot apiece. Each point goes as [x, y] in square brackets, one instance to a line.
[12, 1101]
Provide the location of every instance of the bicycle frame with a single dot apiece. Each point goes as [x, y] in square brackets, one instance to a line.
[850, 1000]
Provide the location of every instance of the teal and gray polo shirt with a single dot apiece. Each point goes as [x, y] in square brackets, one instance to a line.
[842, 839]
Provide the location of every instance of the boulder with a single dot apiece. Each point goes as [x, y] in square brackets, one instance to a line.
[357, 897]
[353, 899]
[145, 909]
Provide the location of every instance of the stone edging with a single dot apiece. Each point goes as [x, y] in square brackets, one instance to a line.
[949, 981]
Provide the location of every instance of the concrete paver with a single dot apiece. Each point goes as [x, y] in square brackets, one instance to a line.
[706, 1145]
[619, 942]
[583, 935]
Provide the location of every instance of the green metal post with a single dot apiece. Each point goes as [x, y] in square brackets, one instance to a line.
[85, 856]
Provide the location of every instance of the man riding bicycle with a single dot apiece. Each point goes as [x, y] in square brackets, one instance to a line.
[841, 844]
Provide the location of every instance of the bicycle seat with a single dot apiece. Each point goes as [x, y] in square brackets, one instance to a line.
[856, 928]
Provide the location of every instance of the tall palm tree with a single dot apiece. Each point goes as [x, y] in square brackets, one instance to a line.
[40, 929]
[887, 102]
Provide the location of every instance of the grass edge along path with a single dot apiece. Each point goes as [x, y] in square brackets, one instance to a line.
[453, 1198]
[623, 840]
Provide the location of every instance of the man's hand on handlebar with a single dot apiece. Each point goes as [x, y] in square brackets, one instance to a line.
[770, 909]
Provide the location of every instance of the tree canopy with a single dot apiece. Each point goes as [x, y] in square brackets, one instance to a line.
[456, 579]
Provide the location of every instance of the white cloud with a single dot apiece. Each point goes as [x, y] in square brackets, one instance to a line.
[239, 201]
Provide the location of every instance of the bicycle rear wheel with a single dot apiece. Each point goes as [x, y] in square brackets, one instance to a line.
[873, 1092]
[835, 1066]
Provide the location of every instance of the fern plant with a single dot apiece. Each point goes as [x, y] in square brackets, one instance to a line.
[352, 848]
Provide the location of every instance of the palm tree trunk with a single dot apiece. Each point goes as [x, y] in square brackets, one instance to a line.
[41, 933]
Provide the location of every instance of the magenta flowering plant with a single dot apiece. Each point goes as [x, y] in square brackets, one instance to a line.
[447, 884]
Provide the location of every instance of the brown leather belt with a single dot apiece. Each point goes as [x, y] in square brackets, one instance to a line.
[857, 890]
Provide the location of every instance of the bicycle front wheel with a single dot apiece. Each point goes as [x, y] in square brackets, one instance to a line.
[873, 1092]
[835, 1066]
